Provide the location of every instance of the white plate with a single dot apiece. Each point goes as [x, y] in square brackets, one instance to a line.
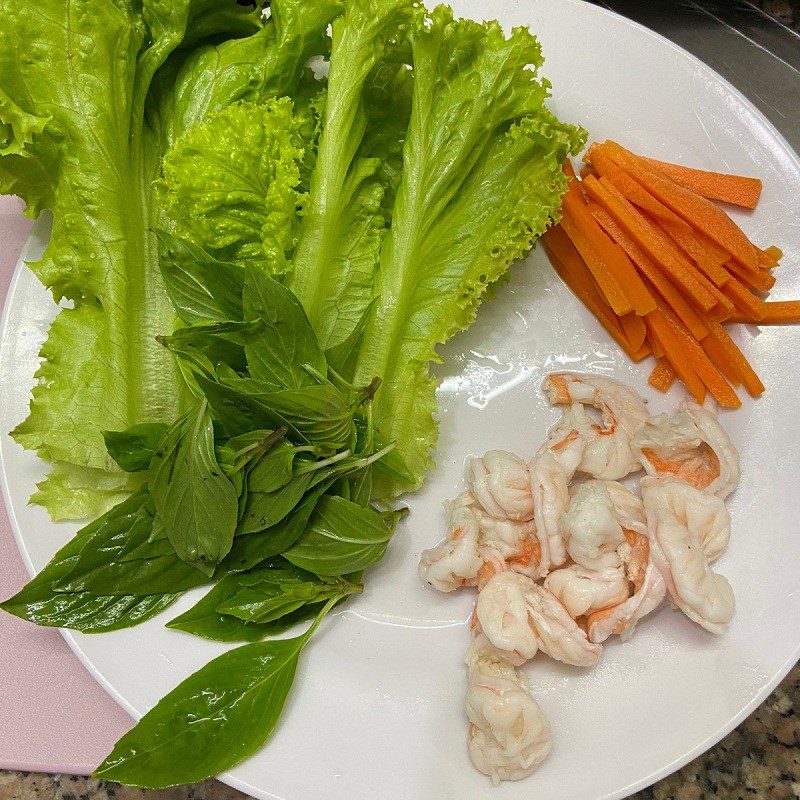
[377, 707]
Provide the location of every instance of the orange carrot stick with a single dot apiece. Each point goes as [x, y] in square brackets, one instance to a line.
[775, 312]
[700, 213]
[610, 253]
[662, 376]
[609, 285]
[635, 330]
[770, 257]
[634, 192]
[695, 249]
[571, 268]
[734, 189]
[652, 241]
[747, 374]
[743, 300]
[711, 377]
[762, 280]
[721, 359]
[661, 284]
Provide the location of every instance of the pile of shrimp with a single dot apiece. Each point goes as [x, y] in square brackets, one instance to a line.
[565, 556]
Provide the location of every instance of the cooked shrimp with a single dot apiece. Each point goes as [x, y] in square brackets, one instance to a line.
[501, 484]
[690, 445]
[676, 546]
[514, 542]
[509, 735]
[551, 471]
[557, 633]
[608, 452]
[457, 561]
[592, 528]
[621, 619]
[501, 614]
[584, 591]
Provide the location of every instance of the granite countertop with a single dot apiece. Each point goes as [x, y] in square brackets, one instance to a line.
[760, 760]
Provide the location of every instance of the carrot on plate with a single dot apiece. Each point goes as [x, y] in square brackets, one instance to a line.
[743, 299]
[699, 212]
[762, 280]
[711, 377]
[634, 192]
[770, 257]
[654, 242]
[635, 330]
[663, 375]
[734, 189]
[662, 334]
[696, 250]
[654, 276]
[746, 373]
[571, 268]
[773, 312]
[610, 253]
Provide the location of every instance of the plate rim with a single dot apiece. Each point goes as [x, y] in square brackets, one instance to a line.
[229, 778]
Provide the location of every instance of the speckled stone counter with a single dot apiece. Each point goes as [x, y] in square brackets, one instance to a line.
[760, 760]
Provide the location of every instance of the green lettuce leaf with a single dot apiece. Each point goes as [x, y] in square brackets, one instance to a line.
[481, 180]
[83, 128]
[337, 253]
[230, 184]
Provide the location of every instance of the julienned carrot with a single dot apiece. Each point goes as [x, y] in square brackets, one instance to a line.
[721, 359]
[747, 374]
[743, 300]
[762, 280]
[662, 285]
[711, 377]
[663, 334]
[663, 375]
[770, 256]
[610, 253]
[695, 249]
[635, 330]
[652, 241]
[633, 191]
[607, 282]
[569, 265]
[734, 189]
[775, 312]
[699, 212]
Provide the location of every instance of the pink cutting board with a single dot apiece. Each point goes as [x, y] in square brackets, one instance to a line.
[53, 716]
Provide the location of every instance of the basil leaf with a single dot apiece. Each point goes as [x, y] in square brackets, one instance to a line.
[342, 537]
[343, 356]
[249, 551]
[133, 448]
[273, 470]
[38, 601]
[270, 593]
[196, 503]
[265, 509]
[319, 413]
[209, 722]
[204, 620]
[201, 288]
[278, 353]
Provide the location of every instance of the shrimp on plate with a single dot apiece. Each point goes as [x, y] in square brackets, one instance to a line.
[592, 527]
[676, 535]
[515, 543]
[551, 471]
[500, 482]
[608, 453]
[509, 735]
[690, 445]
[519, 617]
[584, 591]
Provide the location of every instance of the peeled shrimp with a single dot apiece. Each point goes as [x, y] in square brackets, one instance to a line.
[584, 591]
[621, 619]
[457, 561]
[690, 445]
[676, 545]
[551, 471]
[515, 543]
[501, 484]
[501, 614]
[592, 528]
[509, 735]
[608, 452]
